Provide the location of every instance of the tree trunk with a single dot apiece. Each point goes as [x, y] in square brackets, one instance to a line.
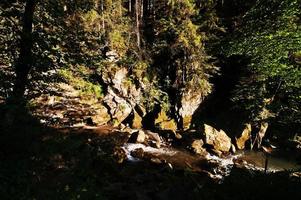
[130, 6]
[96, 7]
[141, 9]
[102, 14]
[137, 7]
[24, 62]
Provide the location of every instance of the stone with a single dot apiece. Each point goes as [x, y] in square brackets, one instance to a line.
[156, 160]
[190, 101]
[137, 121]
[138, 153]
[233, 149]
[217, 152]
[137, 137]
[154, 138]
[118, 107]
[120, 155]
[219, 140]
[101, 116]
[263, 128]
[245, 136]
[197, 147]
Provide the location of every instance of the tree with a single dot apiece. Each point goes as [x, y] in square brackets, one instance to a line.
[179, 50]
[24, 63]
[269, 34]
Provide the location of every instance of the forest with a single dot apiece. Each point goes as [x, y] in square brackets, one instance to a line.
[150, 99]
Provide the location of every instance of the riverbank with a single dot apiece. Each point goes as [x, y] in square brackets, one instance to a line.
[39, 162]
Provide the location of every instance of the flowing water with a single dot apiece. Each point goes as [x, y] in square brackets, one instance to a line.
[278, 161]
[214, 166]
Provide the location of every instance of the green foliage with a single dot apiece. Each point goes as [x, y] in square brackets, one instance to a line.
[270, 36]
[10, 27]
[85, 87]
[181, 38]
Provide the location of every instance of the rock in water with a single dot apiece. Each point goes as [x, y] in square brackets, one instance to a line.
[137, 137]
[197, 147]
[218, 139]
[233, 149]
[263, 129]
[245, 136]
[155, 138]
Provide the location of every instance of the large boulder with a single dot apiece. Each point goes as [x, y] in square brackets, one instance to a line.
[118, 81]
[137, 137]
[190, 101]
[122, 95]
[153, 139]
[118, 107]
[219, 140]
[245, 136]
[101, 115]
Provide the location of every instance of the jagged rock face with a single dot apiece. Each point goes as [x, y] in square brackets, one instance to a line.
[122, 95]
[118, 82]
[190, 101]
[245, 136]
[219, 140]
[101, 116]
[118, 107]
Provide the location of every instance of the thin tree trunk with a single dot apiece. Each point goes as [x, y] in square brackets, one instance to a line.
[141, 9]
[137, 23]
[130, 6]
[24, 63]
[96, 7]
[120, 9]
[103, 17]
[154, 9]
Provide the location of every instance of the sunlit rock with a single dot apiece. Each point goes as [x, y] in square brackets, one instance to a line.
[190, 101]
[245, 136]
[137, 137]
[101, 115]
[197, 147]
[154, 139]
[137, 121]
[122, 95]
[219, 140]
[118, 107]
